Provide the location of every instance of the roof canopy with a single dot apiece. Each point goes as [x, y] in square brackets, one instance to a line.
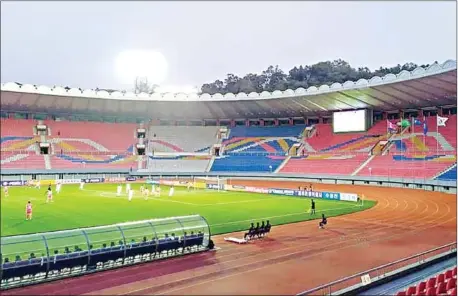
[434, 86]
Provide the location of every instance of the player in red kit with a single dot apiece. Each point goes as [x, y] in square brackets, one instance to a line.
[28, 211]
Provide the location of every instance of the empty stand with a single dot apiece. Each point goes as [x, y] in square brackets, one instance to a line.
[448, 175]
[178, 165]
[91, 162]
[325, 140]
[247, 163]
[93, 136]
[338, 164]
[16, 127]
[266, 140]
[442, 284]
[407, 166]
[21, 161]
[178, 139]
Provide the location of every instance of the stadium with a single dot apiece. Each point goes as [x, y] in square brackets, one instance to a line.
[155, 194]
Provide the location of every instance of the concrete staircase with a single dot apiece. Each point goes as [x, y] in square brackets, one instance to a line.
[210, 164]
[363, 165]
[47, 159]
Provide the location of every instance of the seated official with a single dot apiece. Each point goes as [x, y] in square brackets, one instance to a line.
[250, 231]
[268, 226]
[323, 222]
[262, 229]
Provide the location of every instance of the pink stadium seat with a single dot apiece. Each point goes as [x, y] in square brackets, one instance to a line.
[451, 283]
[430, 292]
[440, 278]
[411, 290]
[449, 274]
[440, 288]
[421, 287]
[112, 136]
[431, 283]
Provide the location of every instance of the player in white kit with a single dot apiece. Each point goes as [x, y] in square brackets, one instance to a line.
[146, 193]
[127, 188]
[81, 185]
[189, 185]
[58, 187]
[131, 194]
[171, 190]
[5, 190]
[119, 190]
[38, 184]
[141, 189]
[49, 196]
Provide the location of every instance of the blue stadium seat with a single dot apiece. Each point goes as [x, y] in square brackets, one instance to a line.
[245, 163]
[450, 175]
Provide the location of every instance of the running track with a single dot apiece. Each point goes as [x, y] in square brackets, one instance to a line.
[294, 257]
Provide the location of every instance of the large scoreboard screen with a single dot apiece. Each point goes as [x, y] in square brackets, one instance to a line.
[350, 121]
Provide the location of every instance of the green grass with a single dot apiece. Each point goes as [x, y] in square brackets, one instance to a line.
[98, 205]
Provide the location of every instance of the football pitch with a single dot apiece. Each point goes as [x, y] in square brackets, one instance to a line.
[97, 204]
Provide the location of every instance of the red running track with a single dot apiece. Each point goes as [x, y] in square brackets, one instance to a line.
[294, 257]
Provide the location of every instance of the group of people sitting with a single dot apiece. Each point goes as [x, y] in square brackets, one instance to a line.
[258, 230]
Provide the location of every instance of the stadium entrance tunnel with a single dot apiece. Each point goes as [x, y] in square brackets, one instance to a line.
[41, 257]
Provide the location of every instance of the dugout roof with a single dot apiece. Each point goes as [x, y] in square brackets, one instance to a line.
[421, 88]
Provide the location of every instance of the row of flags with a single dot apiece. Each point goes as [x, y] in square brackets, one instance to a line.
[440, 121]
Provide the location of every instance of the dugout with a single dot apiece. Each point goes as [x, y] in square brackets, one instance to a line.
[39, 257]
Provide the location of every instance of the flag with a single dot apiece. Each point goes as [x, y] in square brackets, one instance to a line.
[417, 122]
[425, 128]
[441, 121]
[391, 126]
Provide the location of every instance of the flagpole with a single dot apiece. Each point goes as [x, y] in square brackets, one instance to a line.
[413, 132]
[437, 134]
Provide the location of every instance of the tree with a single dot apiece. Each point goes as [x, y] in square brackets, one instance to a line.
[274, 78]
[143, 86]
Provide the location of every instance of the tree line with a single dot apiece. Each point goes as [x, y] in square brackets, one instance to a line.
[274, 78]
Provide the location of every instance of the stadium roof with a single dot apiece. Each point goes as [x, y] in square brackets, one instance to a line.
[420, 88]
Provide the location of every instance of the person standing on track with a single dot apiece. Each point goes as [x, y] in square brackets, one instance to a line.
[312, 209]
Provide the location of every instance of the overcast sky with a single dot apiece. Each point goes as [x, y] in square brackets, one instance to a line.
[75, 43]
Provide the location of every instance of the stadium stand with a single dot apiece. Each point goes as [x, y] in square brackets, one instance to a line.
[178, 139]
[324, 139]
[333, 164]
[247, 149]
[179, 164]
[442, 284]
[267, 140]
[85, 136]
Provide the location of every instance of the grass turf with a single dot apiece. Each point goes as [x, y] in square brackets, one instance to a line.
[97, 205]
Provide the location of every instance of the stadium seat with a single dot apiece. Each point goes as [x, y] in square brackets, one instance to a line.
[401, 293]
[421, 287]
[440, 278]
[431, 283]
[411, 290]
[440, 288]
[430, 291]
[451, 283]
[452, 292]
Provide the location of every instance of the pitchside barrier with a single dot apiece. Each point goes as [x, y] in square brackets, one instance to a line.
[19, 177]
[200, 183]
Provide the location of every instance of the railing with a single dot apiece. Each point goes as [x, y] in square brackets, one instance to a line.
[379, 272]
